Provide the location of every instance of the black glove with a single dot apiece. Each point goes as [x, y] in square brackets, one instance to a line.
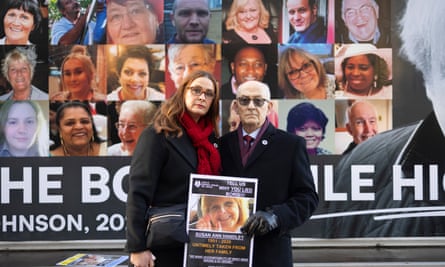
[260, 223]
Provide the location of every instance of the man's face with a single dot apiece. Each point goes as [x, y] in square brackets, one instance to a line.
[132, 23]
[191, 19]
[71, 8]
[360, 17]
[249, 65]
[301, 15]
[362, 122]
[251, 115]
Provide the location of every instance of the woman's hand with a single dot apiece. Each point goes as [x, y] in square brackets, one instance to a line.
[204, 223]
[143, 259]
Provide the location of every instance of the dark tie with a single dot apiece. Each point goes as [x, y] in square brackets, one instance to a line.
[249, 140]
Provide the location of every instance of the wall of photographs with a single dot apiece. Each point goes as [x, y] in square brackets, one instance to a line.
[315, 59]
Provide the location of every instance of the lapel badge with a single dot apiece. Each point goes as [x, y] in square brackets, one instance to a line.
[264, 142]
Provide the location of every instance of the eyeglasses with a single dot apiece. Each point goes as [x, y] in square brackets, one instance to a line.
[135, 12]
[364, 10]
[198, 91]
[131, 127]
[257, 102]
[296, 73]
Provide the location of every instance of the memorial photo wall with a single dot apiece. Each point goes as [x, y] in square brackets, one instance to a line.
[102, 52]
[81, 79]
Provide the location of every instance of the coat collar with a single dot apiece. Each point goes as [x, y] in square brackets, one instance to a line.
[183, 145]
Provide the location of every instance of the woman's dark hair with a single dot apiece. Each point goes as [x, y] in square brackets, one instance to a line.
[304, 112]
[135, 51]
[60, 113]
[31, 6]
[381, 70]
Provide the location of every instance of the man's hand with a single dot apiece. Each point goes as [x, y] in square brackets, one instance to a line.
[260, 223]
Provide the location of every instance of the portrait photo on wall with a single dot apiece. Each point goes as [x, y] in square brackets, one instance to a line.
[77, 22]
[126, 121]
[313, 120]
[363, 21]
[308, 21]
[77, 72]
[78, 128]
[135, 72]
[187, 22]
[24, 72]
[251, 21]
[306, 71]
[31, 16]
[247, 62]
[359, 120]
[24, 128]
[363, 71]
[182, 59]
[135, 22]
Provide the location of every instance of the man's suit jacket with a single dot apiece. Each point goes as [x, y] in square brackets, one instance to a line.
[285, 184]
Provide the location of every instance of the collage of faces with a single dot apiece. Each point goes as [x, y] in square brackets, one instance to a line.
[85, 77]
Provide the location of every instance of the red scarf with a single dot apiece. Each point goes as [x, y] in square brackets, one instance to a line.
[209, 161]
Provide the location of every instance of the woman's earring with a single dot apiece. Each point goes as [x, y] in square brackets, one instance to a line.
[375, 81]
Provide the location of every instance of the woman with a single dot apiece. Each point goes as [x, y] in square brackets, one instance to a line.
[226, 214]
[20, 18]
[178, 142]
[23, 129]
[309, 122]
[78, 78]
[248, 22]
[18, 68]
[301, 75]
[134, 116]
[364, 71]
[186, 58]
[134, 22]
[77, 132]
[134, 67]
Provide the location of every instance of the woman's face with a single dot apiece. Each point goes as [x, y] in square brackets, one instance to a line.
[20, 128]
[18, 24]
[131, 23]
[199, 97]
[359, 73]
[248, 16]
[134, 75]
[191, 58]
[19, 74]
[130, 127]
[312, 132]
[75, 78]
[76, 127]
[224, 214]
[302, 74]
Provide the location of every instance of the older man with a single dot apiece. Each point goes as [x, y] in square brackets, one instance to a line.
[362, 123]
[286, 191]
[363, 23]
